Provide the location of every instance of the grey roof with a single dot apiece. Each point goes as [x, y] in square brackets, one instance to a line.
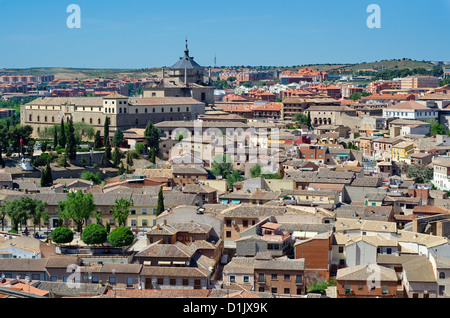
[66, 289]
[177, 250]
[241, 265]
[285, 264]
[419, 269]
[186, 62]
[23, 264]
[121, 268]
[364, 272]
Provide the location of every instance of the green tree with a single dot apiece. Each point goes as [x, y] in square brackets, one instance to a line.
[255, 171]
[116, 156]
[222, 165]
[62, 235]
[94, 234]
[420, 173]
[83, 130]
[130, 161]
[437, 129]
[234, 177]
[46, 175]
[121, 236]
[160, 206]
[83, 162]
[140, 147]
[23, 209]
[55, 138]
[152, 136]
[78, 206]
[71, 151]
[106, 139]
[94, 177]
[121, 210]
[62, 134]
[153, 155]
[118, 138]
[97, 140]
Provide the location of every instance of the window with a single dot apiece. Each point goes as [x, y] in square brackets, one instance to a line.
[341, 249]
[246, 279]
[130, 281]
[132, 211]
[287, 291]
[94, 279]
[261, 289]
[274, 290]
[160, 281]
[185, 282]
[144, 210]
[133, 222]
[261, 278]
[144, 222]
[274, 276]
[228, 223]
[287, 277]
[53, 278]
[245, 223]
[228, 233]
[35, 276]
[173, 281]
[154, 211]
[384, 289]
[299, 279]
[232, 278]
[441, 275]
[348, 289]
[112, 280]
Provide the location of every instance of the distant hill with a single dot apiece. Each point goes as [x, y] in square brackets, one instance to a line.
[82, 73]
[79, 73]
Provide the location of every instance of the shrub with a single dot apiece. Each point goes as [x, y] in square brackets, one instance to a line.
[121, 236]
[94, 177]
[62, 235]
[94, 234]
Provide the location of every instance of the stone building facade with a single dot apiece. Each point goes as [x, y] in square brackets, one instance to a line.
[124, 112]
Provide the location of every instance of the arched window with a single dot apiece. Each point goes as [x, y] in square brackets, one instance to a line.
[171, 109]
[90, 121]
[99, 121]
[38, 118]
[146, 110]
[154, 109]
[53, 119]
[45, 118]
[120, 110]
[137, 111]
[82, 119]
[30, 117]
[441, 275]
[124, 110]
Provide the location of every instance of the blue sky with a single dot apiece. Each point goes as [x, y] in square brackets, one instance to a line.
[149, 33]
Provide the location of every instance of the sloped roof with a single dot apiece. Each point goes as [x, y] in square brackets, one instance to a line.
[364, 272]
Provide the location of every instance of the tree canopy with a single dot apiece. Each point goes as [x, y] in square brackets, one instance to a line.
[94, 234]
[78, 207]
[121, 236]
[121, 210]
[61, 235]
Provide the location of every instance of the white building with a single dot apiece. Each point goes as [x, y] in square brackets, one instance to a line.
[441, 173]
[410, 110]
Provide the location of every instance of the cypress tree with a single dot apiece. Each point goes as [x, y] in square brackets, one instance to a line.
[106, 140]
[97, 140]
[71, 150]
[160, 206]
[62, 135]
[55, 138]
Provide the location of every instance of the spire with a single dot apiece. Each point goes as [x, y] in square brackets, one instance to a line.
[186, 52]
